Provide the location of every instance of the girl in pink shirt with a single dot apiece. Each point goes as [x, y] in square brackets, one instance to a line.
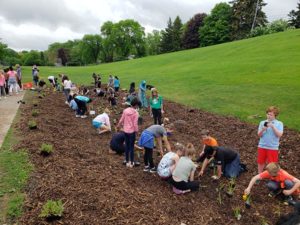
[12, 80]
[2, 84]
[129, 120]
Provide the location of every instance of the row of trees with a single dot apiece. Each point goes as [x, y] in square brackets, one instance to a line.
[126, 39]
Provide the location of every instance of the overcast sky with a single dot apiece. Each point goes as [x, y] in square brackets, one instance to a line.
[34, 24]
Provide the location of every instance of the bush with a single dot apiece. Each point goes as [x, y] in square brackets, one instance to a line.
[35, 113]
[46, 149]
[32, 125]
[274, 27]
[52, 209]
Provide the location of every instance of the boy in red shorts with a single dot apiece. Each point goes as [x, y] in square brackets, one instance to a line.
[269, 131]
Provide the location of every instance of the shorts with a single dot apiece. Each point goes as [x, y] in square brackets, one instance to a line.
[97, 124]
[266, 155]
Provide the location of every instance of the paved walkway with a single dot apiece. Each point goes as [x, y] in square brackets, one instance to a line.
[8, 110]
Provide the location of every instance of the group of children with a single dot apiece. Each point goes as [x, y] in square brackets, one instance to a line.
[177, 164]
[10, 81]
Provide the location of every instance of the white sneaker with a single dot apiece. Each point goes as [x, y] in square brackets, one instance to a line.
[77, 115]
[84, 116]
[67, 102]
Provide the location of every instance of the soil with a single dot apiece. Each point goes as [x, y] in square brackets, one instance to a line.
[96, 188]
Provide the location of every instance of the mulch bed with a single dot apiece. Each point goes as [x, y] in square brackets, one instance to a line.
[97, 189]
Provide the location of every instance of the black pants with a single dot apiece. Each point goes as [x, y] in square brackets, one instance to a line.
[119, 149]
[148, 157]
[81, 107]
[182, 185]
[157, 116]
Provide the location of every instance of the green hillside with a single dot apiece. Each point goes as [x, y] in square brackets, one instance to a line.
[240, 78]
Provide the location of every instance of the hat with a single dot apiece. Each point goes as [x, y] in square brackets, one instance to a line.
[208, 151]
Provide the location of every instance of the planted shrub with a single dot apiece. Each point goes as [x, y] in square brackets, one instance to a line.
[46, 149]
[32, 125]
[52, 210]
[35, 113]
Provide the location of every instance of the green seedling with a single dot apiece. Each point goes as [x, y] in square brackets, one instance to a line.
[34, 113]
[32, 125]
[237, 213]
[219, 190]
[231, 187]
[263, 221]
[52, 210]
[46, 149]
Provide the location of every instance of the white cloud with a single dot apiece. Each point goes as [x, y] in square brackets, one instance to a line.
[37, 23]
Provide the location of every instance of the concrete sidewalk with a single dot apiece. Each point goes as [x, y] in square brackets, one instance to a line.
[8, 111]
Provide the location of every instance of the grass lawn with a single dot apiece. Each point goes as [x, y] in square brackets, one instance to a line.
[14, 172]
[239, 78]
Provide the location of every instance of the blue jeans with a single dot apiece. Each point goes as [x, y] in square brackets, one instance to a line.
[233, 168]
[275, 186]
[129, 146]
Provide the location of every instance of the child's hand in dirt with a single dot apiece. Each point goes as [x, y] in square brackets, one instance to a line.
[214, 177]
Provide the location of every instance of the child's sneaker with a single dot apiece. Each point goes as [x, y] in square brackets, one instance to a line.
[289, 200]
[77, 116]
[84, 116]
[274, 193]
[146, 169]
[153, 170]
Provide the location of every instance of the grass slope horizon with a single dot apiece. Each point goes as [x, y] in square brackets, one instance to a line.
[239, 78]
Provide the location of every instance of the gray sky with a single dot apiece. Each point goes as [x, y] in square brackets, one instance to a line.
[34, 24]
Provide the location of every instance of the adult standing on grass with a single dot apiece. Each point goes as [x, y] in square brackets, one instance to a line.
[269, 131]
[35, 75]
[156, 105]
[142, 94]
[129, 121]
[19, 75]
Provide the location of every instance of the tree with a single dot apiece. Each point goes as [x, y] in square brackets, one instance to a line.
[153, 42]
[91, 46]
[177, 34]
[294, 17]
[31, 58]
[108, 41]
[191, 33]
[216, 28]
[129, 37]
[167, 38]
[62, 54]
[2, 50]
[243, 14]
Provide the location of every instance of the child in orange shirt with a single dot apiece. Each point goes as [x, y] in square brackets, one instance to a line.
[279, 180]
[207, 141]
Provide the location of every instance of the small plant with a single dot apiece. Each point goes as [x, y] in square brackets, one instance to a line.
[219, 191]
[46, 149]
[277, 210]
[34, 113]
[237, 213]
[231, 187]
[52, 210]
[32, 125]
[263, 221]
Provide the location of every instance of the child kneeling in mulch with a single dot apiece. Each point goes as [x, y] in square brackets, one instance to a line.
[102, 123]
[183, 175]
[169, 161]
[279, 182]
